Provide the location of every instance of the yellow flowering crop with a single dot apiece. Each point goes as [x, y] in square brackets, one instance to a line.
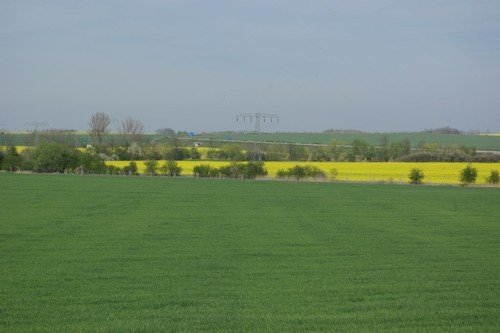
[435, 172]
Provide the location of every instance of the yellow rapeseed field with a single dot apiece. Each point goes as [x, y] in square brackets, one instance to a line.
[439, 173]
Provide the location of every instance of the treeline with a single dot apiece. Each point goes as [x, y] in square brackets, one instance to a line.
[54, 157]
[361, 151]
[132, 144]
[50, 158]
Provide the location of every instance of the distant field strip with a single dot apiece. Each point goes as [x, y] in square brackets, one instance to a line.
[441, 173]
[481, 142]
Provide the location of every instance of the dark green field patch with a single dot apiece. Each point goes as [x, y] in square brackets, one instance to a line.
[136, 253]
[482, 142]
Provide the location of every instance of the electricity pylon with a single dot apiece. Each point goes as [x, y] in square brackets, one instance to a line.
[257, 118]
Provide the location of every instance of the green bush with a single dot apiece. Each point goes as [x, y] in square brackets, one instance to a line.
[281, 174]
[91, 163]
[205, 170]
[416, 176]
[249, 170]
[113, 170]
[233, 170]
[493, 177]
[300, 172]
[334, 173]
[12, 161]
[131, 169]
[151, 166]
[254, 169]
[171, 168]
[468, 175]
[55, 157]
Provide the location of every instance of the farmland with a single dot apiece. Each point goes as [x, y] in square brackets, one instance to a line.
[482, 142]
[438, 173]
[96, 253]
[485, 142]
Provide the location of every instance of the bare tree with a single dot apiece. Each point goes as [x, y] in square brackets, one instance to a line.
[131, 130]
[99, 127]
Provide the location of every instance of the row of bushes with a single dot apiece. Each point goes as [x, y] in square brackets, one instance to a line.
[468, 175]
[449, 156]
[299, 172]
[359, 150]
[56, 157]
[250, 170]
[60, 158]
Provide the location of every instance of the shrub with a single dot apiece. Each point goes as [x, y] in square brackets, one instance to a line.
[468, 175]
[249, 170]
[12, 161]
[314, 172]
[416, 176]
[91, 163]
[493, 177]
[299, 172]
[113, 170]
[151, 166]
[254, 169]
[171, 168]
[281, 174]
[233, 170]
[55, 157]
[334, 173]
[205, 170]
[130, 169]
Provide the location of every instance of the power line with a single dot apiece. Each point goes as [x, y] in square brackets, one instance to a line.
[257, 118]
[36, 130]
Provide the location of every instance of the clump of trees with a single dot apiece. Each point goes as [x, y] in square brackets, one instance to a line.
[299, 172]
[249, 170]
[130, 169]
[171, 168]
[52, 158]
[444, 130]
[205, 170]
[10, 160]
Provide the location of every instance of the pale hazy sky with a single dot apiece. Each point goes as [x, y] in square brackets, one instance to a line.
[194, 65]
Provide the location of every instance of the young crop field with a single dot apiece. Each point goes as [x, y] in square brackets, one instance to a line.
[111, 253]
[485, 142]
[436, 173]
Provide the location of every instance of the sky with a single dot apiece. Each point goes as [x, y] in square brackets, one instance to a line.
[379, 65]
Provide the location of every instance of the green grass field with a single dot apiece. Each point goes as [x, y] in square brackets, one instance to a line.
[483, 142]
[90, 253]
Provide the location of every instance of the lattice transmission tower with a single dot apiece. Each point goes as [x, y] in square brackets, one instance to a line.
[36, 131]
[257, 118]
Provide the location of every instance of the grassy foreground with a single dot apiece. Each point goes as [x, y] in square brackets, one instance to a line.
[140, 253]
